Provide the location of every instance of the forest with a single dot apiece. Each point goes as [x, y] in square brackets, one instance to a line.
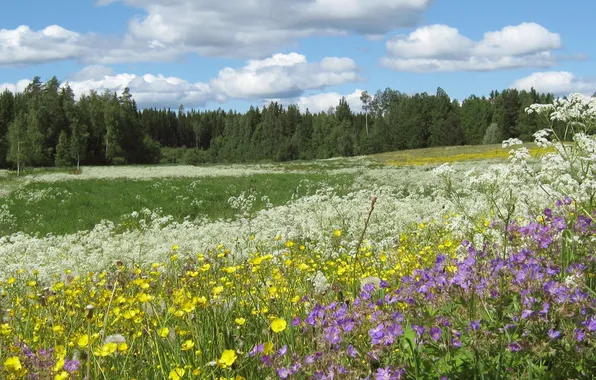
[46, 126]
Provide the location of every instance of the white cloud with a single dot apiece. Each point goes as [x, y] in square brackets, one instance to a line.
[23, 45]
[256, 28]
[556, 82]
[279, 76]
[171, 29]
[283, 75]
[443, 48]
[323, 101]
[15, 87]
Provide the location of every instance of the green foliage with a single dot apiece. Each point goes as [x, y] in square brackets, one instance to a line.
[492, 135]
[195, 157]
[63, 156]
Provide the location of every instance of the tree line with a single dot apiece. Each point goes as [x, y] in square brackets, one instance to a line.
[45, 126]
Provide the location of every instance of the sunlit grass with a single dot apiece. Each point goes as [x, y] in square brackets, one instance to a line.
[441, 155]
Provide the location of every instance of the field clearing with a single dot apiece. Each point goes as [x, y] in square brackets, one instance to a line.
[450, 262]
[451, 154]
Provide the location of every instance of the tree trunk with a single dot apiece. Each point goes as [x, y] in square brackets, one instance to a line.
[366, 118]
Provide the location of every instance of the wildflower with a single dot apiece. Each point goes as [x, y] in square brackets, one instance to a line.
[187, 345]
[278, 325]
[240, 321]
[435, 333]
[176, 373]
[163, 332]
[83, 341]
[553, 334]
[13, 364]
[62, 375]
[228, 357]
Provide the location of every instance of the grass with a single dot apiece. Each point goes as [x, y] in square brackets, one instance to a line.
[70, 206]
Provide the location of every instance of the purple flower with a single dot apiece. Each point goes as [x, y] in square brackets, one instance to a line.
[351, 351]
[376, 334]
[419, 329]
[475, 325]
[256, 349]
[553, 334]
[282, 351]
[579, 335]
[383, 374]
[591, 323]
[71, 366]
[526, 313]
[283, 373]
[332, 334]
[514, 346]
[435, 333]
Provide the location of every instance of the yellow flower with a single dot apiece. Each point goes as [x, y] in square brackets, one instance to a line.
[278, 325]
[59, 365]
[188, 345]
[122, 346]
[61, 376]
[176, 373]
[240, 321]
[163, 332]
[83, 341]
[267, 348]
[5, 329]
[13, 364]
[106, 349]
[228, 357]
[337, 233]
[144, 297]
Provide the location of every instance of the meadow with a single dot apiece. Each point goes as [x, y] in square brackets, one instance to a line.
[449, 263]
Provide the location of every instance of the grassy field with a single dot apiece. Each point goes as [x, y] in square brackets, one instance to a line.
[70, 206]
[56, 201]
[391, 266]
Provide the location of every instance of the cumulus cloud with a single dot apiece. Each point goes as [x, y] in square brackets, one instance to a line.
[15, 87]
[283, 75]
[172, 29]
[279, 76]
[322, 102]
[557, 82]
[444, 48]
[22, 46]
[256, 28]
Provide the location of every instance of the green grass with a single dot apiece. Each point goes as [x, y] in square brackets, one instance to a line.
[91, 201]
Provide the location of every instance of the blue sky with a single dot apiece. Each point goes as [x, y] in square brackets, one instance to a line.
[310, 52]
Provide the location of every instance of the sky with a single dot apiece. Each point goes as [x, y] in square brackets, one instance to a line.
[206, 54]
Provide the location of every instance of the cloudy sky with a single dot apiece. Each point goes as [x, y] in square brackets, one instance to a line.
[207, 54]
